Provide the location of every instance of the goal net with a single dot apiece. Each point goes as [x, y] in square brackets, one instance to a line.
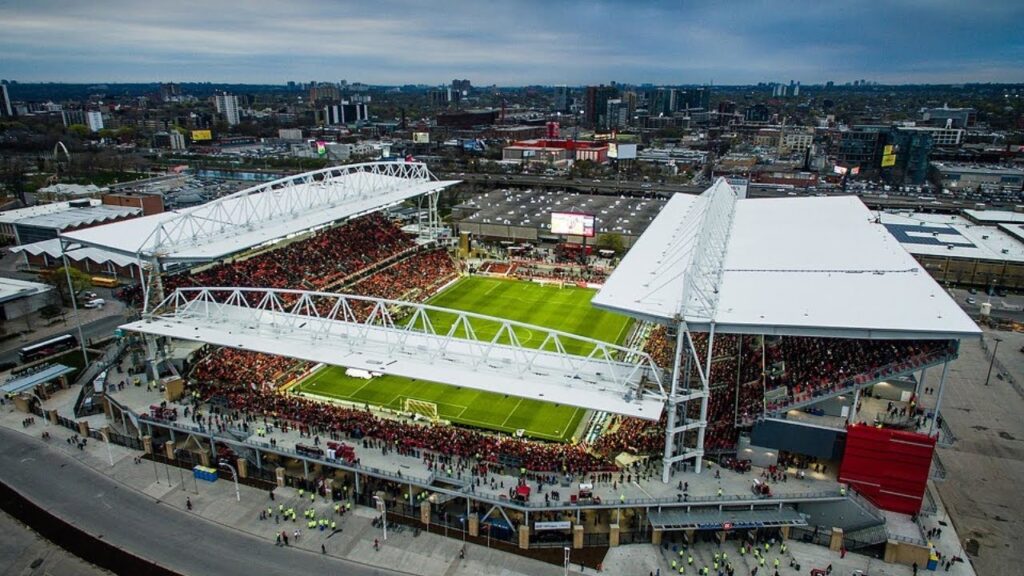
[422, 407]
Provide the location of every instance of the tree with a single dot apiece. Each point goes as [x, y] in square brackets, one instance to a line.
[79, 130]
[58, 279]
[610, 241]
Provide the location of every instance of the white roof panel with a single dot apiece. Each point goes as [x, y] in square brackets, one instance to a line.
[799, 266]
[74, 252]
[221, 228]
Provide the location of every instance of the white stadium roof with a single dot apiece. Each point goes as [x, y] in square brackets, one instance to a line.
[818, 266]
[263, 213]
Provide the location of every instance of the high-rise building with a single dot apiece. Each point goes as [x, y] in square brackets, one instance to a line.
[6, 110]
[695, 98]
[170, 92]
[596, 112]
[323, 92]
[94, 120]
[227, 106]
[345, 113]
[562, 99]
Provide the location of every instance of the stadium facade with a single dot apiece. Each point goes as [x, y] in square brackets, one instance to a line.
[731, 298]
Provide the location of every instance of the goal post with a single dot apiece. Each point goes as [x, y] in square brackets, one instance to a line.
[422, 407]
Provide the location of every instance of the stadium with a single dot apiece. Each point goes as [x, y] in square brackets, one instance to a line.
[722, 380]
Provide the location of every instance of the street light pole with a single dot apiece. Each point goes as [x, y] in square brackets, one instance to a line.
[566, 562]
[993, 360]
[234, 475]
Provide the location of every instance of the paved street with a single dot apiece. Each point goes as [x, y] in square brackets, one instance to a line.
[149, 527]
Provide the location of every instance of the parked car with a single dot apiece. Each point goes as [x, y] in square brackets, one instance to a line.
[95, 303]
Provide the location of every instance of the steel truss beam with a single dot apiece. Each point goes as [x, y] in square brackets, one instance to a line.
[403, 338]
[701, 281]
[282, 199]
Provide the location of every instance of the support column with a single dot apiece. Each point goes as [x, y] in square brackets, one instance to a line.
[474, 525]
[305, 469]
[835, 543]
[83, 429]
[577, 536]
[242, 465]
[169, 449]
[613, 535]
[147, 444]
[784, 530]
[938, 400]
[673, 407]
[920, 385]
[524, 537]
[656, 536]
[204, 459]
[279, 476]
[52, 416]
[853, 408]
[425, 512]
[705, 400]
[689, 534]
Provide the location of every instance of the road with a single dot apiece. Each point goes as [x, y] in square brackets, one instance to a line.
[133, 521]
[97, 328]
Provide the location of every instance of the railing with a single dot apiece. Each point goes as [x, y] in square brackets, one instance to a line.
[861, 380]
[938, 471]
[866, 505]
[109, 357]
[427, 481]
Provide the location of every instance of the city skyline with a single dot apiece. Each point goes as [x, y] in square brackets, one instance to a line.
[399, 42]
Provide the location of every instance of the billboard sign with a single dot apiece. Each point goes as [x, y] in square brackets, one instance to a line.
[421, 137]
[573, 224]
[198, 135]
[888, 160]
[626, 151]
[563, 525]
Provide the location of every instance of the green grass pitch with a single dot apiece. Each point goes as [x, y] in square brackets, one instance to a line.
[565, 309]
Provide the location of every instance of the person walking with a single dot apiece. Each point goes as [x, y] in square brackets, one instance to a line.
[188, 503]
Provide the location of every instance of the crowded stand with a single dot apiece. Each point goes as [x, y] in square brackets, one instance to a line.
[317, 262]
[244, 368]
[794, 369]
[530, 270]
[318, 418]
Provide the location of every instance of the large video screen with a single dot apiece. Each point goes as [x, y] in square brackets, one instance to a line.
[572, 224]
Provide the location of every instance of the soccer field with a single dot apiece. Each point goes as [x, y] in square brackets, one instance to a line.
[565, 309]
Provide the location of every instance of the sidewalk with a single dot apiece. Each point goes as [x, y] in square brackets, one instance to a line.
[427, 554]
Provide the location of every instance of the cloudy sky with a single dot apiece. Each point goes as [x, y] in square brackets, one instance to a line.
[512, 42]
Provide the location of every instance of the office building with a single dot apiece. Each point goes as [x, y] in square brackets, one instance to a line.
[227, 106]
[562, 100]
[595, 113]
[94, 120]
[345, 114]
[172, 140]
[949, 117]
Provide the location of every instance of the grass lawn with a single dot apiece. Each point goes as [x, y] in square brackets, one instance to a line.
[565, 309]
